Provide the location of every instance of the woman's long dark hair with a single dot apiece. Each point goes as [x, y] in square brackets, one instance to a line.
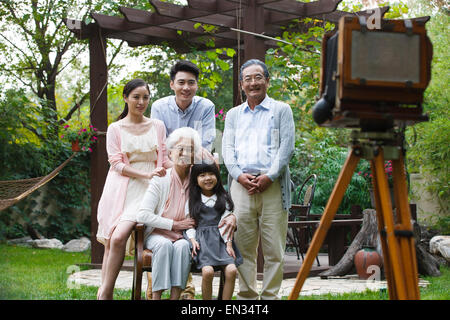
[195, 193]
[130, 86]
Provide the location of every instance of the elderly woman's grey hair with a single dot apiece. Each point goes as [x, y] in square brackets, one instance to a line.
[184, 132]
[251, 62]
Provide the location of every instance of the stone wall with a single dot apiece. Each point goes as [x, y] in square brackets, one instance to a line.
[429, 208]
[34, 212]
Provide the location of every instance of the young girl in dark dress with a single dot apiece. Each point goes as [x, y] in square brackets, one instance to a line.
[208, 204]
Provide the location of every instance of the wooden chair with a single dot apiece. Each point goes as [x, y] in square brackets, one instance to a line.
[299, 237]
[143, 262]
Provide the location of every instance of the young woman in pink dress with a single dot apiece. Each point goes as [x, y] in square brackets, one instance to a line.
[136, 153]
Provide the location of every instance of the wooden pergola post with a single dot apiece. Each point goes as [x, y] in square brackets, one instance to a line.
[98, 73]
[254, 47]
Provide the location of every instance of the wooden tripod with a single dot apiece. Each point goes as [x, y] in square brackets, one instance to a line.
[397, 238]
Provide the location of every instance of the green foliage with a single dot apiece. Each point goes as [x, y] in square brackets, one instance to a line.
[442, 224]
[430, 155]
[23, 119]
[66, 194]
[17, 113]
[318, 152]
[429, 150]
[64, 198]
[295, 67]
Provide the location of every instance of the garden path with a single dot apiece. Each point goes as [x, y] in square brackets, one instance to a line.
[312, 286]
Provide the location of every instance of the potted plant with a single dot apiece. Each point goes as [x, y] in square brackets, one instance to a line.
[81, 139]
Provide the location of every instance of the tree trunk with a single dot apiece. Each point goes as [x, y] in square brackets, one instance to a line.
[367, 236]
[427, 264]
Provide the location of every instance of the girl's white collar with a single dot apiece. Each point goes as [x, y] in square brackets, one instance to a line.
[206, 198]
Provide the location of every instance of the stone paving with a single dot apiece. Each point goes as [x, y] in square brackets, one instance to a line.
[312, 285]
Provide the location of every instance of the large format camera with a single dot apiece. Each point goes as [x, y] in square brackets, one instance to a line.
[374, 79]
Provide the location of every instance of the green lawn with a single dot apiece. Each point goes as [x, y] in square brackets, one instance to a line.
[41, 274]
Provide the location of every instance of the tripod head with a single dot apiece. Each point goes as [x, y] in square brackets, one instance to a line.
[366, 144]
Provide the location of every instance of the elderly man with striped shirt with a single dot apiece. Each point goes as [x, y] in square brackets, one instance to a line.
[258, 143]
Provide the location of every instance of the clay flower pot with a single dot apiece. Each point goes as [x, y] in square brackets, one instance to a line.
[365, 258]
[76, 146]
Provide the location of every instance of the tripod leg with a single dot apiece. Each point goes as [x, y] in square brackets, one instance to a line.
[385, 207]
[380, 220]
[325, 222]
[404, 230]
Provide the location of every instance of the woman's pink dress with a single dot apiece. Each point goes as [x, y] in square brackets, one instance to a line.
[121, 195]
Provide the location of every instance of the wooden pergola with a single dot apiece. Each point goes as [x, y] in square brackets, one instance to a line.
[248, 26]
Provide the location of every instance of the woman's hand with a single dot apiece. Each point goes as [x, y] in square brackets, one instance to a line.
[183, 224]
[160, 172]
[230, 250]
[195, 247]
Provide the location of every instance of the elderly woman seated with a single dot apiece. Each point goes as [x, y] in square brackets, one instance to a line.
[162, 211]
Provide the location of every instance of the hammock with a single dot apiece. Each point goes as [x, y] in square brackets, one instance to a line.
[12, 191]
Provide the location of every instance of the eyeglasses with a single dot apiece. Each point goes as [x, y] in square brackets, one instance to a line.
[181, 149]
[256, 78]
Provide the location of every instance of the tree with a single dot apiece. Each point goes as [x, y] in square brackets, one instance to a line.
[428, 141]
[36, 47]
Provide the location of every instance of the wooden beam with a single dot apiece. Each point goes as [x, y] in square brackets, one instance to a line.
[321, 6]
[149, 18]
[79, 28]
[303, 9]
[120, 28]
[177, 11]
[115, 23]
[159, 32]
[140, 34]
[137, 38]
[218, 43]
[217, 20]
[145, 17]
[274, 17]
[215, 6]
[287, 6]
[260, 2]
[186, 13]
